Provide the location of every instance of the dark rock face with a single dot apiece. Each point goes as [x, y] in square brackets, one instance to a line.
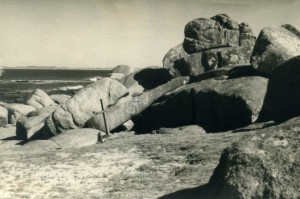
[210, 44]
[282, 100]
[181, 64]
[274, 46]
[219, 31]
[264, 165]
[213, 104]
[292, 29]
[145, 79]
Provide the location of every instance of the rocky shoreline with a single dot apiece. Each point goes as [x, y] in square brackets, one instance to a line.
[220, 79]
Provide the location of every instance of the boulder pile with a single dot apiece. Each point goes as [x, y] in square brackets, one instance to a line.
[220, 78]
[209, 44]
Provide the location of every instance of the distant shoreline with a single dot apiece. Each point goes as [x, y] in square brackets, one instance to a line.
[51, 68]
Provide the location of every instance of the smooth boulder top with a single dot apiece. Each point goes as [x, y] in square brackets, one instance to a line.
[274, 46]
[120, 71]
[124, 69]
[219, 31]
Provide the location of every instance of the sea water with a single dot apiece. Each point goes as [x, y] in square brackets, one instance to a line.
[17, 84]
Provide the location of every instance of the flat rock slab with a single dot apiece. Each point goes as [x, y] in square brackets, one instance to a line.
[77, 138]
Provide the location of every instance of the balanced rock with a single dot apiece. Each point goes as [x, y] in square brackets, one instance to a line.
[263, 165]
[84, 104]
[282, 100]
[40, 99]
[273, 46]
[60, 98]
[15, 111]
[145, 79]
[219, 31]
[120, 71]
[31, 126]
[209, 44]
[125, 109]
[214, 104]
[3, 116]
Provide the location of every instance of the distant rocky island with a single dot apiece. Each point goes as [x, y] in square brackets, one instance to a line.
[221, 81]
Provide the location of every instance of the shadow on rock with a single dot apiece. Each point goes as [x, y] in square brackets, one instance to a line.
[191, 193]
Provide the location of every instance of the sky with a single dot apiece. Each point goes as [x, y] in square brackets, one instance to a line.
[106, 33]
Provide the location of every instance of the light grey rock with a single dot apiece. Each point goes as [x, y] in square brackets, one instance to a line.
[40, 99]
[274, 46]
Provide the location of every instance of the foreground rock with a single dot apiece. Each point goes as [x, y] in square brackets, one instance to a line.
[84, 104]
[15, 111]
[215, 105]
[262, 166]
[282, 100]
[145, 79]
[40, 99]
[125, 110]
[274, 45]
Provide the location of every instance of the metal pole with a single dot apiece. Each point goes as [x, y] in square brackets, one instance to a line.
[104, 117]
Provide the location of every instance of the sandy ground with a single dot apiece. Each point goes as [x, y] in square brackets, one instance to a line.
[125, 166]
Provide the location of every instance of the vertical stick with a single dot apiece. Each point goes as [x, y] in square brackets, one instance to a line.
[104, 117]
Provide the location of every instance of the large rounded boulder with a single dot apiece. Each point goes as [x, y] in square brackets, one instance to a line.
[214, 104]
[209, 44]
[274, 46]
[84, 104]
[219, 31]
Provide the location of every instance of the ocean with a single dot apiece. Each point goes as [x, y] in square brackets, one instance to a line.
[17, 84]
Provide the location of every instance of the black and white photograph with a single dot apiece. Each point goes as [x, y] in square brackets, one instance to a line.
[149, 99]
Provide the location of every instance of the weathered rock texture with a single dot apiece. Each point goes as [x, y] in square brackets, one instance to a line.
[31, 126]
[126, 109]
[265, 165]
[180, 63]
[84, 104]
[145, 79]
[210, 44]
[213, 104]
[282, 100]
[273, 46]
[220, 31]
[40, 99]
[15, 111]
